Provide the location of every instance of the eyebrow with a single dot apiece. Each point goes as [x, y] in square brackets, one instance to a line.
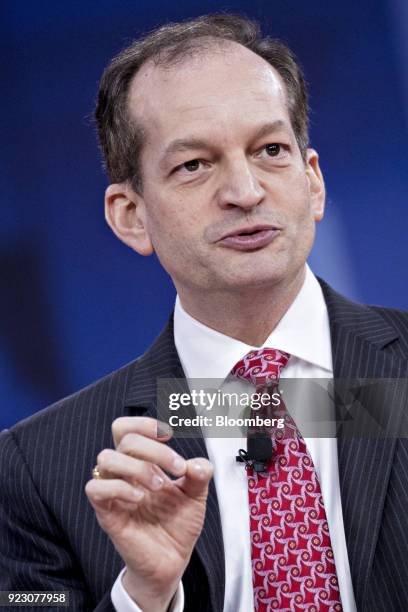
[271, 128]
[185, 144]
[191, 143]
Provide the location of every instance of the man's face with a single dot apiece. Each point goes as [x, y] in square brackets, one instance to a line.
[228, 202]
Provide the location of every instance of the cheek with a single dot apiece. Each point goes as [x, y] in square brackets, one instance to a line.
[301, 201]
[177, 221]
[301, 193]
[289, 191]
[172, 230]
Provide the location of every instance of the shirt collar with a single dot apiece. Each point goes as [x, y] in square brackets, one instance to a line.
[303, 332]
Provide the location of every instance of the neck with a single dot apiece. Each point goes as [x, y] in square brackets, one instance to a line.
[241, 315]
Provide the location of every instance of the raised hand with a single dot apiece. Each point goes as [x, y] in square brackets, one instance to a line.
[152, 520]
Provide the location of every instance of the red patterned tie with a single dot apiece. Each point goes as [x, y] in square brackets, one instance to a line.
[292, 559]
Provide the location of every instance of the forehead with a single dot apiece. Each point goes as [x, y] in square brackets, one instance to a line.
[217, 88]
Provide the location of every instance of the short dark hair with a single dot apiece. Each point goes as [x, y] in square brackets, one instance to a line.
[120, 136]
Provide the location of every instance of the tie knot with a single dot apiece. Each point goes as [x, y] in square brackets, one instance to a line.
[261, 367]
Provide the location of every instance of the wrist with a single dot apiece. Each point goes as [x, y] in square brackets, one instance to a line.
[148, 599]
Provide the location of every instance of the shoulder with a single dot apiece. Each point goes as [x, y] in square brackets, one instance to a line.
[53, 451]
[80, 415]
[394, 316]
[340, 306]
[386, 328]
[83, 420]
[398, 320]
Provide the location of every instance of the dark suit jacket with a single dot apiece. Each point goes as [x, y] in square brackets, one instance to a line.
[50, 539]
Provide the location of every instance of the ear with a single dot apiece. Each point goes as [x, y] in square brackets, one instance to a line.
[125, 213]
[316, 184]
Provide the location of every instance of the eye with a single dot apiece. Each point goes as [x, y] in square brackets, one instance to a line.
[192, 165]
[272, 149]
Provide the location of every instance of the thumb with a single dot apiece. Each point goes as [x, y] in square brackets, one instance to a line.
[197, 477]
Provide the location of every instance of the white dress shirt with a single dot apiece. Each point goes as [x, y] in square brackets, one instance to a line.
[304, 333]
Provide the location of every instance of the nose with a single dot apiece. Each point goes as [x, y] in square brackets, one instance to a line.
[239, 186]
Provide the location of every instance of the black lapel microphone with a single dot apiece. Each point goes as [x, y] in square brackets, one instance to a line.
[258, 454]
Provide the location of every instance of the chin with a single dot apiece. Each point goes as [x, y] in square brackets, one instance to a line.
[255, 279]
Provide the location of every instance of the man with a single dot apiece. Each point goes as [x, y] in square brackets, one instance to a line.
[204, 130]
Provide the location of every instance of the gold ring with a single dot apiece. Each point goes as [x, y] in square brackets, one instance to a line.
[96, 473]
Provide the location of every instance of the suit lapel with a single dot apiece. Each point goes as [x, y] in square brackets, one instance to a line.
[162, 361]
[359, 336]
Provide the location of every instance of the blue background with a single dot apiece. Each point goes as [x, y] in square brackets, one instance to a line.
[75, 303]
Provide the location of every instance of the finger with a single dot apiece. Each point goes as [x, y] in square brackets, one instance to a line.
[113, 464]
[101, 492]
[197, 478]
[146, 426]
[155, 452]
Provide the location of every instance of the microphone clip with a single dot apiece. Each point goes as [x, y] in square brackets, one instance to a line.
[257, 465]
